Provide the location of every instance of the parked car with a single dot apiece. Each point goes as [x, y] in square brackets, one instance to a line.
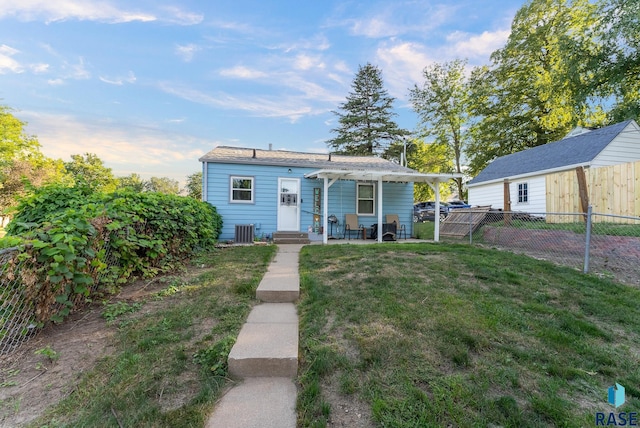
[425, 211]
[458, 204]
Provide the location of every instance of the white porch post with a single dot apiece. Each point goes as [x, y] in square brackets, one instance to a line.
[436, 230]
[380, 209]
[325, 209]
[205, 178]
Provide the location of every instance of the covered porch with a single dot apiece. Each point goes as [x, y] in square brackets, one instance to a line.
[330, 176]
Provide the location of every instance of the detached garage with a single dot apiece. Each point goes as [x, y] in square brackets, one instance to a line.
[526, 172]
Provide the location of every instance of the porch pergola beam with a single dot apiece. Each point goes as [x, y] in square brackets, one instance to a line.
[380, 209]
[330, 176]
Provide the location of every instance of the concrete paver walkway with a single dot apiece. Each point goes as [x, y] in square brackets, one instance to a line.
[265, 356]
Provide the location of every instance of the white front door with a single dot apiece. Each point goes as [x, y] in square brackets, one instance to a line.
[289, 204]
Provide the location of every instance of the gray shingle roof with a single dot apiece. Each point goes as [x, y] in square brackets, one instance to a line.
[580, 149]
[240, 155]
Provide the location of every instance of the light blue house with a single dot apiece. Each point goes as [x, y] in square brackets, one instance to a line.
[269, 191]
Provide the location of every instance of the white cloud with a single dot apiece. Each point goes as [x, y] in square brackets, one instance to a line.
[474, 46]
[375, 27]
[291, 107]
[307, 62]
[399, 18]
[77, 71]
[7, 63]
[39, 68]
[241, 72]
[149, 151]
[186, 52]
[55, 82]
[402, 64]
[178, 16]
[119, 81]
[61, 10]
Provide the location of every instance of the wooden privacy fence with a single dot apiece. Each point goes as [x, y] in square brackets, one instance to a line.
[610, 190]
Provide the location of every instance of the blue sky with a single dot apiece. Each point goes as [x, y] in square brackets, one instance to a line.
[150, 86]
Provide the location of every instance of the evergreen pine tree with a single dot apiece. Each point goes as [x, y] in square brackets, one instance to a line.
[366, 125]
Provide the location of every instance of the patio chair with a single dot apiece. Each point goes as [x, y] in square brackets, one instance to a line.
[400, 228]
[351, 225]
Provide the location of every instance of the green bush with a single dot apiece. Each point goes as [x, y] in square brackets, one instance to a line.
[82, 243]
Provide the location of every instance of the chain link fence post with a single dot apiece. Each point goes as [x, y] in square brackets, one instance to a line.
[587, 241]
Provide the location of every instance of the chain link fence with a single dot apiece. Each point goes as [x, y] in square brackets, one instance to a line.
[603, 244]
[18, 320]
[17, 317]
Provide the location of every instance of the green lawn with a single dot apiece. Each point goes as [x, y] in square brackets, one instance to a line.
[452, 335]
[169, 366]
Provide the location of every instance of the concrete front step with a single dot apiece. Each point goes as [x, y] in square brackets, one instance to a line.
[257, 403]
[291, 238]
[267, 345]
[281, 241]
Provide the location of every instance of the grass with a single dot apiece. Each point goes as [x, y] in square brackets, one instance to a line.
[170, 360]
[452, 335]
[423, 230]
[598, 228]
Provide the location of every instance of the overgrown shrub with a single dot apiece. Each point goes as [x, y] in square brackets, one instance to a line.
[80, 243]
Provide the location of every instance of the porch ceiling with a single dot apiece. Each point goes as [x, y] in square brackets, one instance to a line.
[376, 175]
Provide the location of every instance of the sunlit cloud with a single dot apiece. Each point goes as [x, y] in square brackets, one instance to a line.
[124, 148]
[119, 81]
[62, 10]
[55, 82]
[480, 46]
[178, 16]
[402, 64]
[241, 72]
[186, 52]
[307, 62]
[291, 107]
[7, 63]
[39, 68]
[399, 18]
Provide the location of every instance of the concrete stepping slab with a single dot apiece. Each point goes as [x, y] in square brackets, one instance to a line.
[267, 345]
[275, 313]
[279, 287]
[257, 403]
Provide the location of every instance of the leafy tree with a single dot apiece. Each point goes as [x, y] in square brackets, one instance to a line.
[433, 158]
[20, 177]
[132, 182]
[531, 94]
[617, 66]
[194, 185]
[366, 125]
[442, 105]
[22, 165]
[163, 185]
[14, 142]
[90, 170]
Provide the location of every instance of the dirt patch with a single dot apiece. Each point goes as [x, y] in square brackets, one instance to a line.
[31, 381]
[346, 410]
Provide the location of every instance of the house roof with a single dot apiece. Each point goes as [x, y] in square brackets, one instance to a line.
[575, 150]
[239, 155]
[390, 176]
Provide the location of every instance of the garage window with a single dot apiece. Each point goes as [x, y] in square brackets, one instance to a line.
[523, 193]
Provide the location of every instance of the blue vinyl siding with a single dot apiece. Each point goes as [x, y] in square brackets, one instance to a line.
[398, 198]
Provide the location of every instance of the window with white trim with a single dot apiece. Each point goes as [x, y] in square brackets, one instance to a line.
[523, 193]
[241, 189]
[365, 199]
